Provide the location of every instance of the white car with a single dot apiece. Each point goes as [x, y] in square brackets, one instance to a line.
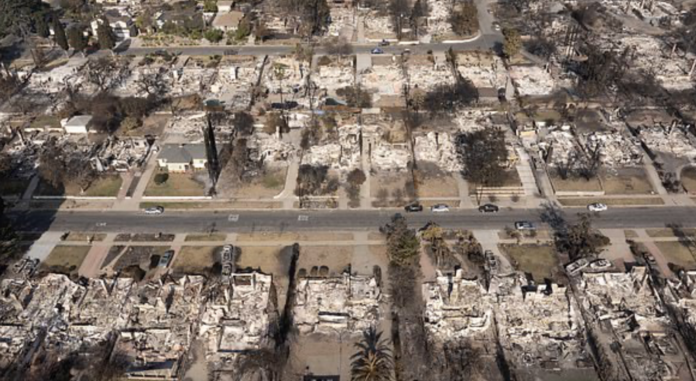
[154, 210]
[597, 207]
[439, 208]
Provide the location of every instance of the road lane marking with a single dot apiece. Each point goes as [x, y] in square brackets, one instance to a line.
[233, 218]
[303, 218]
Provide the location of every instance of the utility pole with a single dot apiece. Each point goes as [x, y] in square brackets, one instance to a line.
[211, 154]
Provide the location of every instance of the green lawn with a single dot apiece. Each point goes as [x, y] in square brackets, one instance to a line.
[65, 259]
[678, 253]
[215, 237]
[539, 260]
[105, 186]
[178, 184]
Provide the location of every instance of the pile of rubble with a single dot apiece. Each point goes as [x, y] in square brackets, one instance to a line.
[390, 157]
[557, 147]
[457, 307]
[674, 70]
[438, 148]
[334, 76]
[121, 154]
[335, 305]
[342, 22]
[427, 75]
[439, 12]
[234, 82]
[672, 139]
[342, 155]
[193, 80]
[237, 317]
[539, 327]
[270, 150]
[531, 80]
[286, 75]
[471, 120]
[378, 27]
[633, 313]
[484, 70]
[617, 149]
[383, 80]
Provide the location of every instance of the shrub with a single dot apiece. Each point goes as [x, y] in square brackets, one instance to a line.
[161, 178]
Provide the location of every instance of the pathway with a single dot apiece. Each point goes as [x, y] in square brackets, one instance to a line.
[287, 196]
[97, 254]
[489, 240]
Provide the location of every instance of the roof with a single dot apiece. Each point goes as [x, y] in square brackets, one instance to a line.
[227, 3]
[230, 19]
[182, 153]
[79, 121]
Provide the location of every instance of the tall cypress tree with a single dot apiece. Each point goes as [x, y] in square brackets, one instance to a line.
[105, 35]
[59, 33]
[77, 39]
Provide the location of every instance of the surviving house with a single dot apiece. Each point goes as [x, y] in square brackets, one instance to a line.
[122, 25]
[183, 157]
[79, 124]
[228, 22]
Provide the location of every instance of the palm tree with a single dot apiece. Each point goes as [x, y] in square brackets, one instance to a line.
[373, 361]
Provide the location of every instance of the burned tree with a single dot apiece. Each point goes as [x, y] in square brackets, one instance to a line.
[483, 155]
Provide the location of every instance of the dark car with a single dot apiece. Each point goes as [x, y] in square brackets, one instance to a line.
[415, 207]
[384, 43]
[166, 258]
[489, 208]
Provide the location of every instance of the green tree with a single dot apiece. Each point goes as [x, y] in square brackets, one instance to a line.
[483, 155]
[59, 34]
[464, 20]
[373, 361]
[512, 43]
[17, 16]
[77, 39]
[581, 240]
[402, 243]
[210, 6]
[213, 35]
[316, 14]
[41, 25]
[243, 29]
[105, 35]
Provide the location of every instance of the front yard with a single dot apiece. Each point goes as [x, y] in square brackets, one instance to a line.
[105, 186]
[176, 185]
[539, 260]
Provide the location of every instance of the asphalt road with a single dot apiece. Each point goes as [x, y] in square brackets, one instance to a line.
[247, 221]
[484, 42]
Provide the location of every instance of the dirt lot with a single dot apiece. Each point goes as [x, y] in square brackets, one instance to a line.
[265, 186]
[178, 184]
[335, 258]
[105, 186]
[65, 259]
[138, 255]
[661, 233]
[688, 178]
[438, 186]
[575, 184]
[195, 259]
[152, 125]
[539, 260]
[627, 181]
[678, 253]
[391, 189]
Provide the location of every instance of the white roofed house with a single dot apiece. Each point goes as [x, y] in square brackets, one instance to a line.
[183, 157]
[79, 124]
[122, 25]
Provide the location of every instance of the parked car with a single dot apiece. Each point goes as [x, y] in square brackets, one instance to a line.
[597, 207]
[230, 52]
[227, 253]
[415, 207]
[439, 208]
[166, 258]
[488, 208]
[496, 26]
[524, 225]
[407, 51]
[384, 43]
[154, 210]
[377, 51]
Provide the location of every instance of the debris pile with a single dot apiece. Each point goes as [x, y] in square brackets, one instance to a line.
[344, 304]
[484, 70]
[437, 147]
[531, 80]
[672, 139]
